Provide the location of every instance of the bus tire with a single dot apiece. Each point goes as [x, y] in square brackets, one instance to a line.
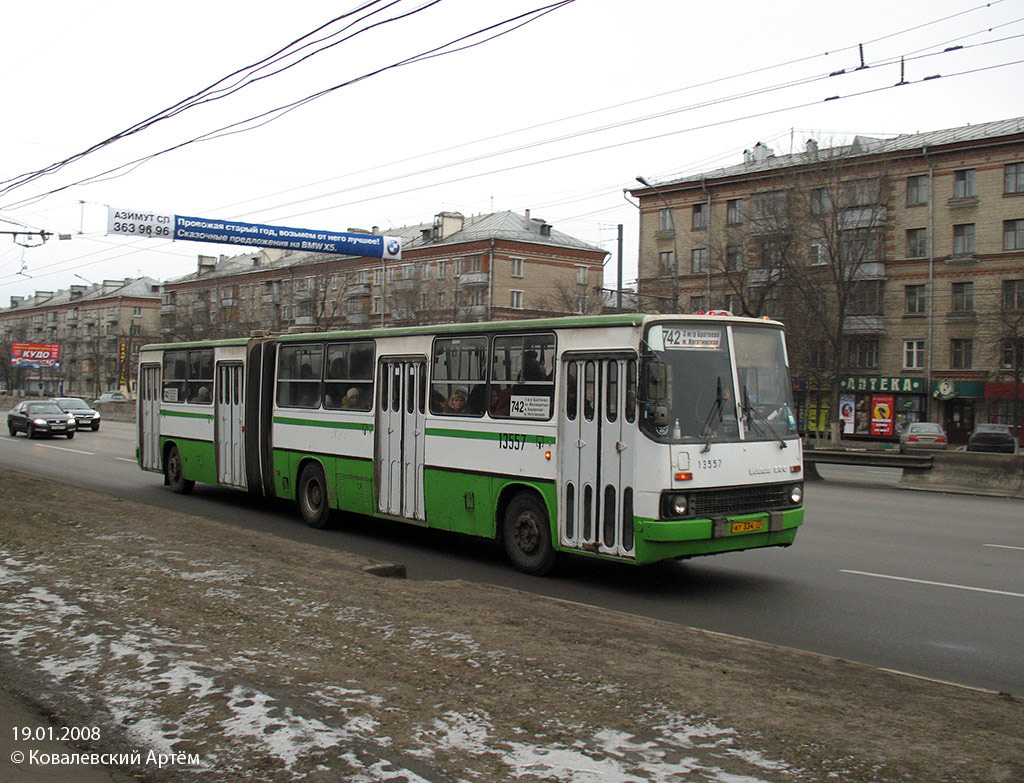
[174, 474]
[527, 534]
[312, 496]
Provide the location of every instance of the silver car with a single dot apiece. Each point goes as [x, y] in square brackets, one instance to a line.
[86, 418]
[922, 435]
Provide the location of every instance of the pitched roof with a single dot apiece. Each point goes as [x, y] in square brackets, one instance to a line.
[137, 288]
[861, 145]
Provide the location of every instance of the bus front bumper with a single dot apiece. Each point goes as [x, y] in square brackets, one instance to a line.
[663, 539]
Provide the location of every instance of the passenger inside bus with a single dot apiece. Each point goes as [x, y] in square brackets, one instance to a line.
[456, 402]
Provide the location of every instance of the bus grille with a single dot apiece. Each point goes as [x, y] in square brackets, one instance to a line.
[739, 500]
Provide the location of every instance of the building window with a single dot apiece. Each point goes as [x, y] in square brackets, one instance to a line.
[517, 267]
[1013, 235]
[376, 305]
[917, 190]
[818, 252]
[1011, 355]
[865, 298]
[700, 216]
[582, 274]
[516, 300]
[1013, 294]
[698, 304]
[917, 303]
[963, 183]
[1013, 178]
[961, 354]
[734, 258]
[442, 269]
[475, 297]
[699, 258]
[913, 354]
[734, 211]
[377, 277]
[963, 239]
[665, 222]
[963, 297]
[667, 262]
[821, 201]
[917, 242]
[860, 192]
[862, 354]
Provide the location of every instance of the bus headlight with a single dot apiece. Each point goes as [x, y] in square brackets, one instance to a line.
[677, 505]
[796, 494]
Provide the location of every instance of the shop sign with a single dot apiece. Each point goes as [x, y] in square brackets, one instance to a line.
[945, 389]
[882, 383]
[847, 407]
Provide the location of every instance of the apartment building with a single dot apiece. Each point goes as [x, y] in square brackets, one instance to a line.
[897, 264]
[99, 328]
[497, 266]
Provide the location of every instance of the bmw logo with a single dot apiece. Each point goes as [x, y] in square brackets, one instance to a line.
[394, 247]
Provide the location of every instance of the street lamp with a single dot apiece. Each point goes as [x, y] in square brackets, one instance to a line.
[675, 242]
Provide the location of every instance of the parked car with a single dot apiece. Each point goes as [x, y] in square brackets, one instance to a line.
[998, 438]
[110, 396]
[921, 435]
[40, 417]
[86, 418]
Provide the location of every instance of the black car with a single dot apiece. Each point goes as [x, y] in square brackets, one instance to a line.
[86, 418]
[998, 438]
[40, 417]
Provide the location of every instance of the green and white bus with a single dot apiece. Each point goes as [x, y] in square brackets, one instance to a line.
[626, 437]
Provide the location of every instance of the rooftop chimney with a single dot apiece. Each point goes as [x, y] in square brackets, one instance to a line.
[812, 146]
[762, 152]
[17, 300]
[206, 264]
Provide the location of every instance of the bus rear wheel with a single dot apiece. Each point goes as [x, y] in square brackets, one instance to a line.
[175, 476]
[527, 534]
[313, 504]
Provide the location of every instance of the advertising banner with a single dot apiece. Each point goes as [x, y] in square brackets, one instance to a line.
[847, 406]
[882, 407]
[35, 355]
[135, 223]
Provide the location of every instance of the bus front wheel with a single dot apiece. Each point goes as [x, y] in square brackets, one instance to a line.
[313, 496]
[527, 535]
[174, 474]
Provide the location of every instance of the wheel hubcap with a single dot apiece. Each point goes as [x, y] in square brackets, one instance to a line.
[526, 533]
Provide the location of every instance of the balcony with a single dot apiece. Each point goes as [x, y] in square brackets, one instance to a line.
[168, 309]
[864, 324]
[763, 276]
[358, 319]
[269, 299]
[306, 295]
[402, 285]
[357, 290]
[870, 270]
[304, 320]
[862, 217]
[472, 312]
[229, 302]
[474, 278]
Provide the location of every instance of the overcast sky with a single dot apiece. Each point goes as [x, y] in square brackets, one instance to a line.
[557, 116]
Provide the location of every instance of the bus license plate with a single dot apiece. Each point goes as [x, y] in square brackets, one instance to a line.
[747, 526]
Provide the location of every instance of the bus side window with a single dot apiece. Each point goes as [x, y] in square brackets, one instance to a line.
[458, 376]
[522, 376]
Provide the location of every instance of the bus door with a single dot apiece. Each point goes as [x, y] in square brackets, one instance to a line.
[597, 438]
[402, 395]
[230, 424]
[150, 388]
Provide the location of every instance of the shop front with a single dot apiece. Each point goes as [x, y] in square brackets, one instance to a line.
[959, 407]
[879, 407]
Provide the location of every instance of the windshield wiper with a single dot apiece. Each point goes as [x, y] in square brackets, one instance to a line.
[705, 429]
[754, 416]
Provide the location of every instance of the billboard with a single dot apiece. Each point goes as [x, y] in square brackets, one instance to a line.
[35, 355]
[135, 223]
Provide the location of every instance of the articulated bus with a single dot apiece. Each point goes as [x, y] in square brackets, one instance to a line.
[635, 438]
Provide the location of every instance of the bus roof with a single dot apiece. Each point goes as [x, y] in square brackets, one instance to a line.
[561, 322]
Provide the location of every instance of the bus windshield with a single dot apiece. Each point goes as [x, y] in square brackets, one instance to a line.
[716, 383]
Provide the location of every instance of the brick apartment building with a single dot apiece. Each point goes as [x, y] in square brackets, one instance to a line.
[455, 269]
[897, 265]
[99, 328]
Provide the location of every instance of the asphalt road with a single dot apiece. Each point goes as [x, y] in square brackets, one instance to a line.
[923, 583]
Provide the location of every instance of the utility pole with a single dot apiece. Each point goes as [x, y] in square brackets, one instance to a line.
[618, 287]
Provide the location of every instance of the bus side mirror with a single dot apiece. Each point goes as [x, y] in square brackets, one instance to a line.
[656, 381]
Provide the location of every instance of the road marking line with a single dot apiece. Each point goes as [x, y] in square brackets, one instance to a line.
[125, 459]
[1004, 546]
[934, 584]
[65, 448]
